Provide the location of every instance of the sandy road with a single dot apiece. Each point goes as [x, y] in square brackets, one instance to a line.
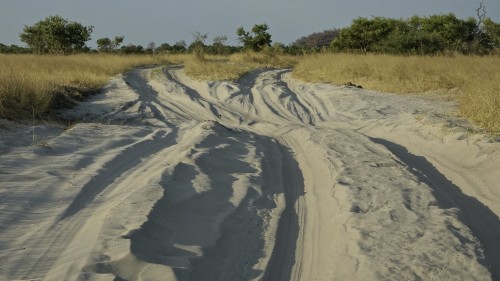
[266, 178]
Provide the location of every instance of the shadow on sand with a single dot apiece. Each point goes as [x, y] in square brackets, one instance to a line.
[483, 223]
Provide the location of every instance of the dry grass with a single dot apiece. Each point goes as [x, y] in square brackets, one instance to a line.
[30, 85]
[473, 81]
[33, 85]
[234, 66]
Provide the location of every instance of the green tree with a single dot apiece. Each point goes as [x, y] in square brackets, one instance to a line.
[13, 49]
[198, 43]
[492, 30]
[151, 48]
[364, 34]
[107, 45]
[164, 48]
[218, 46]
[316, 41]
[132, 49]
[104, 44]
[453, 31]
[257, 39]
[56, 35]
[418, 35]
[180, 47]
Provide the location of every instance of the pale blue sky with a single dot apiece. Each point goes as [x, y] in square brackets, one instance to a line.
[165, 21]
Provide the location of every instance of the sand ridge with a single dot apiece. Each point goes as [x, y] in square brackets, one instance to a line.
[265, 178]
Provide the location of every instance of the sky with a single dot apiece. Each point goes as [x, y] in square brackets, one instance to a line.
[165, 21]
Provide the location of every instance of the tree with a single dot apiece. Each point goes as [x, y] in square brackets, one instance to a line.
[198, 43]
[492, 29]
[180, 47]
[220, 40]
[117, 41]
[132, 49]
[406, 40]
[151, 47]
[13, 49]
[56, 35]
[364, 34]
[454, 32]
[107, 45]
[163, 48]
[218, 44]
[317, 40]
[487, 34]
[419, 35]
[257, 39]
[104, 44]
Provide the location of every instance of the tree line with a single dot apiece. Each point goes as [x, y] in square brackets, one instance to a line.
[56, 35]
[434, 34]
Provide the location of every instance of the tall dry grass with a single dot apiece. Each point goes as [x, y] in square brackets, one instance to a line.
[472, 80]
[30, 85]
[232, 67]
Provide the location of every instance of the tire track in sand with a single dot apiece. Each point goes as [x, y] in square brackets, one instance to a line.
[254, 182]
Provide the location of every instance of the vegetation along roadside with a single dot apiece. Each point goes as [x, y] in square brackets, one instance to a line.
[440, 53]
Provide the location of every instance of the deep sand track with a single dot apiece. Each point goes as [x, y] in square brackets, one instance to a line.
[266, 178]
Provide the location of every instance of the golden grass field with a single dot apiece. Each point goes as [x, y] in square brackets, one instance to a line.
[29, 83]
[234, 66]
[473, 81]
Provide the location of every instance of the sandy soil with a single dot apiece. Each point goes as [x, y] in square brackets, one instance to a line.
[267, 178]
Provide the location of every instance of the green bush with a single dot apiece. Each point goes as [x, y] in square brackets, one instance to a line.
[436, 34]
